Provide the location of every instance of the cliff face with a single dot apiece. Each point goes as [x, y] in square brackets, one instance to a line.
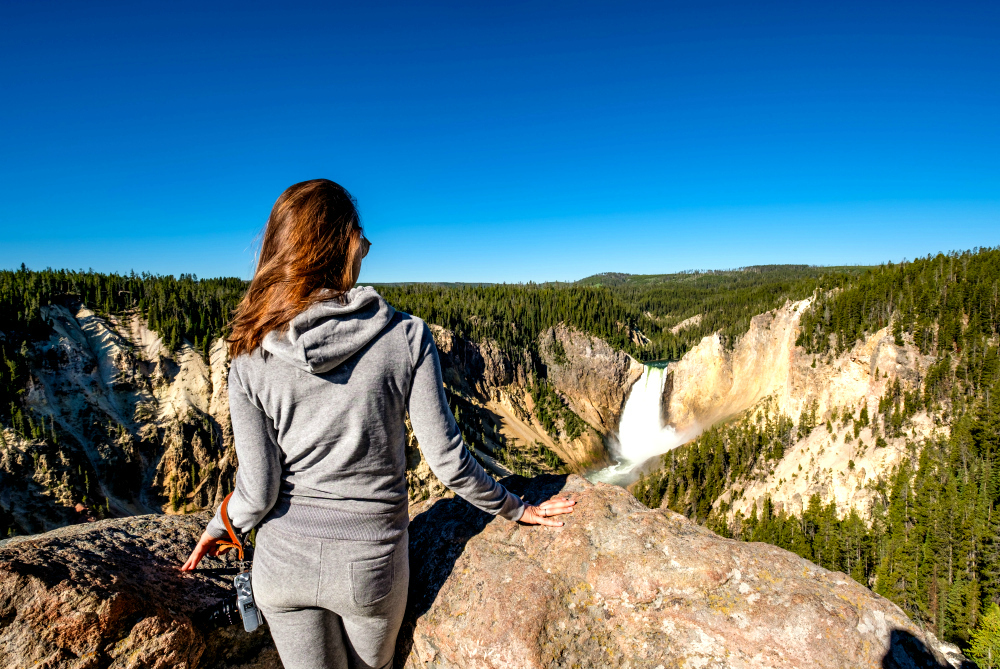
[711, 383]
[588, 375]
[619, 585]
[593, 377]
[126, 426]
[766, 373]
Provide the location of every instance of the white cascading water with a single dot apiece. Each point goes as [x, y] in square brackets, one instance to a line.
[640, 435]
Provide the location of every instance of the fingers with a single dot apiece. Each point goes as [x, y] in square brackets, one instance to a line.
[542, 514]
[195, 558]
[549, 522]
[207, 544]
[533, 516]
[556, 507]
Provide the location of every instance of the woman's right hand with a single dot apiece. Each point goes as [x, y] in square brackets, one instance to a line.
[542, 514]
[207, 545]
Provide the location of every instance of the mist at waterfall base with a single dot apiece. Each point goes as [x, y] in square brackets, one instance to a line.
[640, 435]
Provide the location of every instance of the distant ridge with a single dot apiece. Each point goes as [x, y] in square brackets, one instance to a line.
[613, 279]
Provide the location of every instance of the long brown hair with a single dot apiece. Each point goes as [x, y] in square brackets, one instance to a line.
[306, 256]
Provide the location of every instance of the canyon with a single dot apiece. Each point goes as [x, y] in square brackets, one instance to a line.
[130, 427]
[142, 429]
[127, 427]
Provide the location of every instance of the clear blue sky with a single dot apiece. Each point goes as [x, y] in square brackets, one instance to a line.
[536, 141]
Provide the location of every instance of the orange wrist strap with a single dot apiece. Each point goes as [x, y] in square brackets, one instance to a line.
[234, 541]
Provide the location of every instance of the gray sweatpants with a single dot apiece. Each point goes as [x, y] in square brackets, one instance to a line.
[330, 604]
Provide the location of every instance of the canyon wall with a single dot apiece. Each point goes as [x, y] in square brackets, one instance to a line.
[711, 383]
[767, 374]
[588, 375]
[126, 427]
[123, 426]
[593, 377]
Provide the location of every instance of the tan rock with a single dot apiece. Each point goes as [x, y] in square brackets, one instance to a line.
[686, 323]
[108, 594]
[619, 585]
[593, 377]
[624, 586]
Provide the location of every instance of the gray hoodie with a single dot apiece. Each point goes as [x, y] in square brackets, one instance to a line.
[318, 419]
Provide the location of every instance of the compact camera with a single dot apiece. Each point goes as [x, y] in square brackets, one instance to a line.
[244, 601]
[232, 610]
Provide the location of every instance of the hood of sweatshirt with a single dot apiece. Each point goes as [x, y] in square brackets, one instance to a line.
[328, 333]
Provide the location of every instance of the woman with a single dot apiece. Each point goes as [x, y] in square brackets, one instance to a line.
[322, 376]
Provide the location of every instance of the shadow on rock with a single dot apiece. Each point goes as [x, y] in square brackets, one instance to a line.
[438, 535]
[908, 652]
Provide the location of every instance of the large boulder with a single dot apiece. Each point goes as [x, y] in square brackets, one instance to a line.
[619, 585]
[109, 595]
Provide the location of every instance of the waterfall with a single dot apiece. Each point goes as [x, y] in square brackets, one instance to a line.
[640, 434]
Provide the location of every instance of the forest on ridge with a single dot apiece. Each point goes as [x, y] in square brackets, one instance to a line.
[195, 311]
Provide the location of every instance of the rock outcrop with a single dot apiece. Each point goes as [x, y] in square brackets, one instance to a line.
[624, 586]
[593, 377]
[108, 595]
[689, 322]
[619, 585]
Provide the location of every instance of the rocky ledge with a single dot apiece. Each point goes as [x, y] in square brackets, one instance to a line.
[619, 586]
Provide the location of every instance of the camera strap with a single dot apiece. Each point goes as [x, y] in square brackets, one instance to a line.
[234, 540]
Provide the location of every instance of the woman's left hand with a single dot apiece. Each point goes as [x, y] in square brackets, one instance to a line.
[542, 514]
[207, 545]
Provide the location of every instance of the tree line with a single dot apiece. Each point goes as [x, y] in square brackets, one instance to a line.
[614, 307]
[181, 309]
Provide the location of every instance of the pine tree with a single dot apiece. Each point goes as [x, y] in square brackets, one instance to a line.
[984, 646]
[174, 341]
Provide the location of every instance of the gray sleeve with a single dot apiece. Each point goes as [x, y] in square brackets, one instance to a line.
[440, 439]
[258, 476]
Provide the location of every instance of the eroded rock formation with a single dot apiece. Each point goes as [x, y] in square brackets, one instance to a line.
[594, 378]
[591, 377]
[619, 585]
[765, 372]
[712, 383]
[125, 425]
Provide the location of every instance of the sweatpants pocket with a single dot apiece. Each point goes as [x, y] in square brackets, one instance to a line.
[371, 580]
